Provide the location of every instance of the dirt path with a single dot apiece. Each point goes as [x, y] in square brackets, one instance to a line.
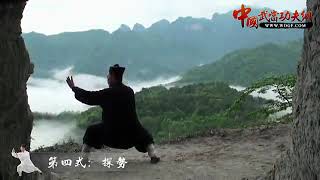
[233, 154]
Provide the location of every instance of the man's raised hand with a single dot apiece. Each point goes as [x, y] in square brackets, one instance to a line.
[70, 82]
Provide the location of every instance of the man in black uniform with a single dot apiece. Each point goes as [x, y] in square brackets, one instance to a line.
[120, 127]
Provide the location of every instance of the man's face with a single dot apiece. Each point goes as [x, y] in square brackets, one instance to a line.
[111, 79]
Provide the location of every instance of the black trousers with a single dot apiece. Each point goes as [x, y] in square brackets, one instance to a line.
[100, 134]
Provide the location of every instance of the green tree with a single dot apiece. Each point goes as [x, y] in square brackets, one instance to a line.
[282, 85]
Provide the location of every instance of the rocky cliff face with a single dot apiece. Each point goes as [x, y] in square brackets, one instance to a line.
[15, 68]
[302, 161]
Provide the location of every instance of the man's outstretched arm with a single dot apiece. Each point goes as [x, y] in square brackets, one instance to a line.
[84, 96]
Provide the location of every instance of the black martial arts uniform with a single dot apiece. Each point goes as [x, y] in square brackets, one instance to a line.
[120, 127]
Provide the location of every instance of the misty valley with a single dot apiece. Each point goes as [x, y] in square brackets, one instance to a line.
[162, 109]
[217, 84]
[62, 118]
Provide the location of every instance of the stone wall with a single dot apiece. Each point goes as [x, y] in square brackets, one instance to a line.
[15, 68]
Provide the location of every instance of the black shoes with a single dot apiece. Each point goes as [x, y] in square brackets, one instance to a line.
[154, 160]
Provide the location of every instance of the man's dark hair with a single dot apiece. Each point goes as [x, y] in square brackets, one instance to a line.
[117, 71]
[24, 146]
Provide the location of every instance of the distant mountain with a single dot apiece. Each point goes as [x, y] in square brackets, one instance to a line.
[164, 49]
[138, 28]
[242, 67]
[124, 28]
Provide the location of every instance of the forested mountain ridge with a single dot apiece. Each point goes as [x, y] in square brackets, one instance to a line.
[245, 66]
[163, 49]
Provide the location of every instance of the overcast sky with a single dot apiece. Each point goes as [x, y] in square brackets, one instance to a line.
[55, 16]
